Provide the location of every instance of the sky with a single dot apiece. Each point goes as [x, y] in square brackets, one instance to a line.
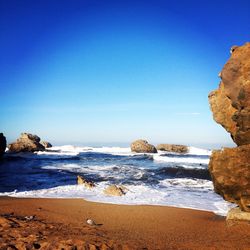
[109, 72]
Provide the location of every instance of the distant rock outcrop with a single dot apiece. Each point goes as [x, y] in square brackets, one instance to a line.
[172, 148]
[142, 146]
[26, 143]
[230, 104]
[115, 190]
[2, 144]
[46, 144]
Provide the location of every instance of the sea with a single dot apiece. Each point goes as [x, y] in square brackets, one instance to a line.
[164, 178]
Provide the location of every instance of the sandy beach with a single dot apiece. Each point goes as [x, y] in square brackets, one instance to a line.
[61, 224]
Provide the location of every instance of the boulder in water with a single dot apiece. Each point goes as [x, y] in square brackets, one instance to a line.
[142, 146]
[115, 190]
[26, 143]
[172, 148]
[46, 144]
[86, 183]
[2, 144]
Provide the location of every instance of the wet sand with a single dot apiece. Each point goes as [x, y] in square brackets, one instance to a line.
[61, 224]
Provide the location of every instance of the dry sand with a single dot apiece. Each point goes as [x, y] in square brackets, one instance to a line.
[61, 224]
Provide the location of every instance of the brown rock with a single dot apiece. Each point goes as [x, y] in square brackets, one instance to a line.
[2, 144]
[230, 171]
[4, 222]
[86, 183]
[27, 136]
[46, 144]
[236, 214]
[26, 143]
[173, 148]
[222, 109]
[230, 104]
[142, 146]
[115, 190]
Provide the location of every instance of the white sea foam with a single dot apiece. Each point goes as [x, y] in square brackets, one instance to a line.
[197, 184]
[199, 151]
[183, 159]
[67, 151]
[110, 150]
[137, 195]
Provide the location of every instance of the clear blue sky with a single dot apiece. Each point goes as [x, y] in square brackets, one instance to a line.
[88, 72]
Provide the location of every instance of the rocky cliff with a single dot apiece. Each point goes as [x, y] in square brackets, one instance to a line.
[230, 169]
[230, 104]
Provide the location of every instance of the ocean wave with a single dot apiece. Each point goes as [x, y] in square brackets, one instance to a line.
[189, 183]
[199, 151]
[136, 195]
[183, 159]
[164, 178]
[179, 171]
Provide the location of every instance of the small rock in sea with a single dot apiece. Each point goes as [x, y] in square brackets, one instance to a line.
[86, 183]
[115, 190]
[142, 146]
[91, 222]
[173, 148]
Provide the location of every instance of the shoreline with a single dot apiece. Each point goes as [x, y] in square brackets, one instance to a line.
[61, 223]
[110, 203]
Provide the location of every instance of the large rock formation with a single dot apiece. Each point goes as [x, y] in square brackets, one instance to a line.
[2, 144]
[230, 169]
[230, 104]
[142, 146]
[172, 148]
[26, 143]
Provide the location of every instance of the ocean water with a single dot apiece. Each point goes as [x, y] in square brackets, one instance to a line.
[170, 179]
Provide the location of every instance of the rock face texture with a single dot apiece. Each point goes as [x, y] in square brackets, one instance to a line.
[230, 169]
[26, 143]
[46, 144]
[235, 214]
[230, 104]
[2, 144]
[173, 148]
[142, 146]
